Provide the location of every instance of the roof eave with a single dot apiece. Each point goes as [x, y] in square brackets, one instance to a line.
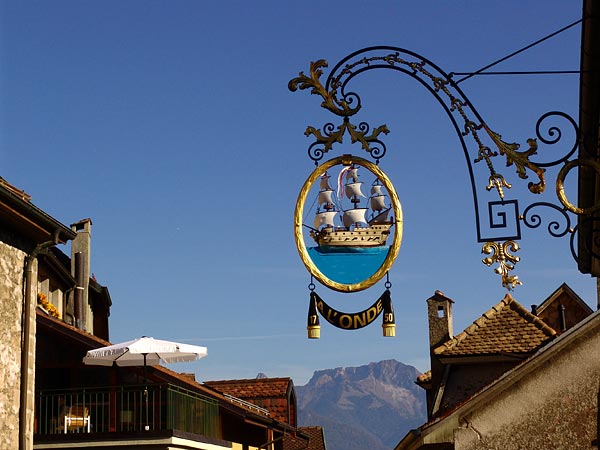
[31, 220]
[484, 358]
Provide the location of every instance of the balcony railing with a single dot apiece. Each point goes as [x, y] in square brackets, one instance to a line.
[126, 408]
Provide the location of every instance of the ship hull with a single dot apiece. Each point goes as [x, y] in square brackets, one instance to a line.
[335, 239]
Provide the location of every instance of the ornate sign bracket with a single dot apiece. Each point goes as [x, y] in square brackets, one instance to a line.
[498, 222]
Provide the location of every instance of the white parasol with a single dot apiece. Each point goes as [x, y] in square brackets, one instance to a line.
[144, 351]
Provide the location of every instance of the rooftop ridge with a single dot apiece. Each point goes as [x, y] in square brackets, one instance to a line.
[488, 318]
[248, 405]
[250, 380]
[526, 314]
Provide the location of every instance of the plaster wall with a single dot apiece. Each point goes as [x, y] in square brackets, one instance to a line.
[11, 296]
[554, 405]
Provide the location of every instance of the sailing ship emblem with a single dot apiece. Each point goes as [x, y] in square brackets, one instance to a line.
[355, 228]
[350, 235]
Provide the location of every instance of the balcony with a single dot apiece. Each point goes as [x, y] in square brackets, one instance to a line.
[124, 409]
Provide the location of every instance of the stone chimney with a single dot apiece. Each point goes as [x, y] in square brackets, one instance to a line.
[439, 312]
[81, 253]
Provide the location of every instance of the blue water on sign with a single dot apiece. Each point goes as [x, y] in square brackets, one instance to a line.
[350, 265]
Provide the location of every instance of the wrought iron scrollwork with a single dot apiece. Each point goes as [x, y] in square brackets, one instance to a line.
[347, 103]
[479, 142]
[555, 135]
[554, 228]
[324, 140]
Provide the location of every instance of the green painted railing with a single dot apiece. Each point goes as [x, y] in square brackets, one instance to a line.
[126, 408]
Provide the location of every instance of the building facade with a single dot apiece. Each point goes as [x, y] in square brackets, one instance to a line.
[26, 234]
[510, 381]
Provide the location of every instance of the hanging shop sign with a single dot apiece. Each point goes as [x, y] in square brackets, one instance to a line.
[348, 218]
[350, 321]
[348, 224]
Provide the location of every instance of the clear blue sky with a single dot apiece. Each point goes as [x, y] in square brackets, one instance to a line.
[170, 124]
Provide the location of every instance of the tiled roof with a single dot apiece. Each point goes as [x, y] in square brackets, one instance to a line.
[316, 440]
[268, 393]
[252, 388]
[15, 190]
[506, 328]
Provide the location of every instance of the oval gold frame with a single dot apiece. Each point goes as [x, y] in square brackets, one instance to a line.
[347, 160]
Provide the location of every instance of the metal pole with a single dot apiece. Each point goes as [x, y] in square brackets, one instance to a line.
[147, 426]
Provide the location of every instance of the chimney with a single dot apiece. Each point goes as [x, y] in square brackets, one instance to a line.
[80, 270]
[439, 312]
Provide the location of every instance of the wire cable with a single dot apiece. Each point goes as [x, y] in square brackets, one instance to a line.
[523, 72]
[478, 72]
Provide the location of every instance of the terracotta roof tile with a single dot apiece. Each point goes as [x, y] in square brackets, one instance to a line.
[316, 440]
[506, 328]
[252, 388]
[268, 393]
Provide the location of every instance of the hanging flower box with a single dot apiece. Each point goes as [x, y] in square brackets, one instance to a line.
[48, 307]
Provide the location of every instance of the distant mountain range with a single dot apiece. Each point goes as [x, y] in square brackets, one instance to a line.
[369, 407]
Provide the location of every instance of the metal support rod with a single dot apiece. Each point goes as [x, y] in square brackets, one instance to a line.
[520, 51]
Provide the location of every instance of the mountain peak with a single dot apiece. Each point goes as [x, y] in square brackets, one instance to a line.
[370, 406]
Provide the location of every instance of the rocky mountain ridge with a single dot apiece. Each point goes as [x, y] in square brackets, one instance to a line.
[366, 407]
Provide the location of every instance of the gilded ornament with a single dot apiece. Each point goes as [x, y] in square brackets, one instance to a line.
[560, 186]
[520, 159]
[501, 254]
[330, 100]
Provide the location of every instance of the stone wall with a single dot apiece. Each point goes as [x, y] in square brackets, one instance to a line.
[551, 405]
[11, 298]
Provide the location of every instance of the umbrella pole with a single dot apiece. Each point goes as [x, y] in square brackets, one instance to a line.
[147, 426]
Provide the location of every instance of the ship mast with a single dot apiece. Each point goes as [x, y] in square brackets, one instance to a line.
[377, 203]
[326, 209]
[353, 191]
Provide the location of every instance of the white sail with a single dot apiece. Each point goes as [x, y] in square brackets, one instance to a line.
[325, 197]
[354, 189]
[324, 183]
[382, 217]
[352, 174]
[353, 216]
[324, 218]
[378, 203]
[376, 189]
